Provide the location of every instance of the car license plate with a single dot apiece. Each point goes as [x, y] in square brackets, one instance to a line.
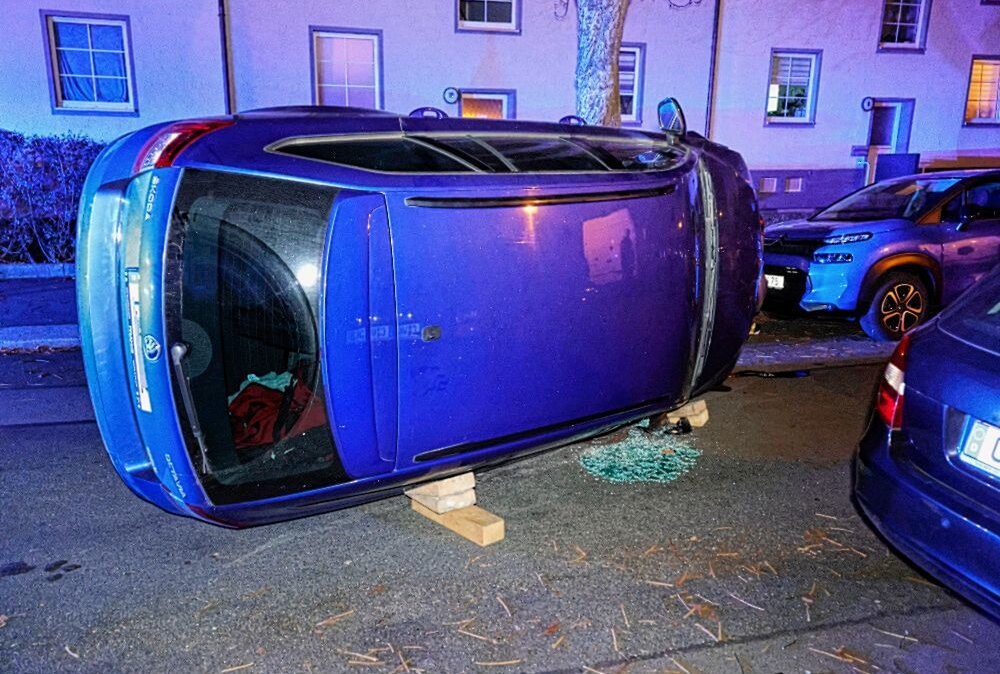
[775, 281]
[981, 447]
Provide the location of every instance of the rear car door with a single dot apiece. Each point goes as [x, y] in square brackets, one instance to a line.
[515, 317]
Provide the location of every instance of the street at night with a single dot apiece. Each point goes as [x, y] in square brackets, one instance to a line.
[500, 336]
[754, 561]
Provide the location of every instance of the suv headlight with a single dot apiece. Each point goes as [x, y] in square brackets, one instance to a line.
[848, 238]
[832, 258]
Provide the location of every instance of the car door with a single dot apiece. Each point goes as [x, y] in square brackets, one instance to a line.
[519, 319]
[970, 237]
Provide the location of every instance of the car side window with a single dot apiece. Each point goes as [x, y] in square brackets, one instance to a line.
[951, 211]
[983, 201]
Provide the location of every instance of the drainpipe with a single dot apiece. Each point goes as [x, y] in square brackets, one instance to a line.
[712, 66]
[227, 80]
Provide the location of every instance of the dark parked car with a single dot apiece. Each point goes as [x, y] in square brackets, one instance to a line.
[928, 468]
[890, 253]
[295, 310]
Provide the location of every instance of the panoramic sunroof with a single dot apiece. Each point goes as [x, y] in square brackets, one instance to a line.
[485, 153]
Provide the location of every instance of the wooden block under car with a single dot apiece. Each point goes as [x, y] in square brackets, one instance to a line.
[452, 485]
[473, 523]
[446, 503]
[695, 412]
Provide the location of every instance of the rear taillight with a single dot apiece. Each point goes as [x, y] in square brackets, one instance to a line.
[891, 387]
[162, 149]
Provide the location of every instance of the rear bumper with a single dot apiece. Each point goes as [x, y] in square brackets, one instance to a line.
[910, 515]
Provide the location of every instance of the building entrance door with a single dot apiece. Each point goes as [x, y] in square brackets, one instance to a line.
[888, 131]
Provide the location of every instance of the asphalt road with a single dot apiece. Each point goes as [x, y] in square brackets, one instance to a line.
[753, 562]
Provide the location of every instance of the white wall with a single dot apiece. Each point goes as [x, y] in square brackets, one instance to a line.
[175, 47]
[423, 54]
[852, 68]
[178, 70]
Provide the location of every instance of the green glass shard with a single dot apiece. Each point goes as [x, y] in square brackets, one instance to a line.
[641, 457]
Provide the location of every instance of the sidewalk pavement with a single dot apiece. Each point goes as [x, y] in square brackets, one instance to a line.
[37, 312]
[806, 343]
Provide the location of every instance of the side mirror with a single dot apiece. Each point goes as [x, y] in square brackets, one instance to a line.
[671, 117]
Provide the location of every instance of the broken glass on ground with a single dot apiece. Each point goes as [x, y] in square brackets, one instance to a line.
[640, 455]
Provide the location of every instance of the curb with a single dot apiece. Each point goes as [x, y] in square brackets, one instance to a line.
[36, 336]
[28, 270]
[778, 356]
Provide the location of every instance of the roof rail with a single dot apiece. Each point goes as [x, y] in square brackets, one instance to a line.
[316, 110]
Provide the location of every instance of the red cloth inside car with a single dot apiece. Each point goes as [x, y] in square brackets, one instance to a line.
[260, 415]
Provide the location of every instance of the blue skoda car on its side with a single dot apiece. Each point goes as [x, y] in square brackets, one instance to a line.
[927, 474]
[295, 310]
[888, 254]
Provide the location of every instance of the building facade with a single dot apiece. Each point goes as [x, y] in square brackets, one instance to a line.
[814, 94]
[818, 96]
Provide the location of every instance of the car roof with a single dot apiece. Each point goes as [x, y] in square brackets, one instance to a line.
[261, 141]
[961, 174]
[337, 120]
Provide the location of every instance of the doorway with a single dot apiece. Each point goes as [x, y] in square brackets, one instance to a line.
[888, 131]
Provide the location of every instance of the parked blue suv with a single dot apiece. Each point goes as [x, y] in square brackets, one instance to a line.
[889, 253]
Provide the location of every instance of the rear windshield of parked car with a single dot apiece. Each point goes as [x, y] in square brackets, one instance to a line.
[907, 199]
[489, 153]
[975, 317]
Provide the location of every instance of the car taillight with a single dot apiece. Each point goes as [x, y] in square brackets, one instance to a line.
[162, 149]
[890, 389]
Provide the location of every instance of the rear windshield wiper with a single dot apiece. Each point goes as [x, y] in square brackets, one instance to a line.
[177, 353]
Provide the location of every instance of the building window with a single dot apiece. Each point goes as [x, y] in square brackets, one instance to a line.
[91, 64]
[793, 184]
[982, 105]
[631, 74]
[768, 185]
[904, 24]
[791, 93]
[348, 68]
[502, 16]
[487, 103]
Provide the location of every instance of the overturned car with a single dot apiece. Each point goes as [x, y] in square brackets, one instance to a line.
[295, 310]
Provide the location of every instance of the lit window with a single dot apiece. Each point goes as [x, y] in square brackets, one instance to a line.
[793, 184]
[91, 64]
[494, 15]
[983, 103]
[348, 69]
[487, 104]
[904, 24]
[791, 95]
[631, 72]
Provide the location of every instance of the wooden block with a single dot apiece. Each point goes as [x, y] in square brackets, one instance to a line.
[447, 503]
[451, 485]
[696, 413]
[477, 525]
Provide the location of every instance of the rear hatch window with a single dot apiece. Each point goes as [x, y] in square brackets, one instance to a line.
[975, 317]
[243, 279]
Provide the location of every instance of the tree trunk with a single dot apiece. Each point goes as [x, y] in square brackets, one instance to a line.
[599, 38]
